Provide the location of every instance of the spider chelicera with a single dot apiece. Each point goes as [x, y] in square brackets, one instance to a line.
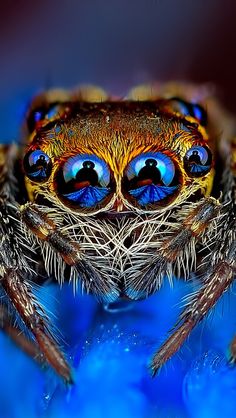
[117, 195]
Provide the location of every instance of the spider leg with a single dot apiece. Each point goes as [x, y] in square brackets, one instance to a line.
[45, 230]
[17, 267]
[233, 350]
[220, 273]
[177, 249]
[216, 283]
[20, 294]
[16, 335]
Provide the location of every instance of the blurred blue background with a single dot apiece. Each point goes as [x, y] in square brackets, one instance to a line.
[118, 44]
[114, 43]
[110, 353]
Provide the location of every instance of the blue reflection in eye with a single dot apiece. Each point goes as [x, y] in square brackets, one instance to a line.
[53, 111]
[197, 160]
[38, 115]
[88, 197]
[37, 165]
[198, 154]
[37, 156]
[152, 163]
[43, 113]
[200, 114]
[189, 109]
[151, 193]
[151, 177]
[80, 162]
[87, 180]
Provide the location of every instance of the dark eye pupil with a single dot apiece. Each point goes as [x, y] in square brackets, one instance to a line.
[149, 172]
[37, 165]
[197, 161]
[88, 164]
[87, 173]
[40, 162]
[151, 179]
[84, 182]
[194, 158]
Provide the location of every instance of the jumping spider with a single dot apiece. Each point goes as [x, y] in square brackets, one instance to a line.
[116, 195]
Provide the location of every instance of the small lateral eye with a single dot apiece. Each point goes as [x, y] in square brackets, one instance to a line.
[197, 161]
[84, 181]
[189, 109]
[180, 106]
[40, 113]
[199, 113]
[37, 165]
[151, 179]
[35, 116]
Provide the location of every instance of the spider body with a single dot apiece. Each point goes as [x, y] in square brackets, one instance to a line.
[115, 195]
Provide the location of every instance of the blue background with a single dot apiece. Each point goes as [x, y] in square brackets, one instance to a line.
[110, 353]
[118, 44]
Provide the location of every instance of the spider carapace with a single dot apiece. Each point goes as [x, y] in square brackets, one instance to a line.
[115, 195]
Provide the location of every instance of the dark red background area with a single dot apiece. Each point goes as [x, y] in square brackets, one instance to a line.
[116, 44]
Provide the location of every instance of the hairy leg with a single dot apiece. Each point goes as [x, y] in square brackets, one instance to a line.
[17, 268]
[233, 350]
[220, 268]
[43, 227]
[18, 264]
[215, 284]
[31, 312]
[178, 250]
[16, 335]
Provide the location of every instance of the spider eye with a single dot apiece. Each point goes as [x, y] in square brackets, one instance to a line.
[199, 113]
[34, 117]
[47, 111]
[189, 109]
[197, 161]
[151, 178]
[84, 181]
[181, 106]
[37, 165]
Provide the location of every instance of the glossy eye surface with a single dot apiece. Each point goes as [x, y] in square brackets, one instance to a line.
[181, 106]
[84, 181]
[37, 165]
[189, 109]
[35, 116]
[151, 178]
[42, 112]
[199, 113]
[197, 161]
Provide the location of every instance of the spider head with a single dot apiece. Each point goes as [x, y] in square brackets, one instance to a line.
[119, 156]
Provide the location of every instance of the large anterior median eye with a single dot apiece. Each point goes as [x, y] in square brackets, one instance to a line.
[151, 178]
[197, 161]
[84, 180]
[37, 165]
